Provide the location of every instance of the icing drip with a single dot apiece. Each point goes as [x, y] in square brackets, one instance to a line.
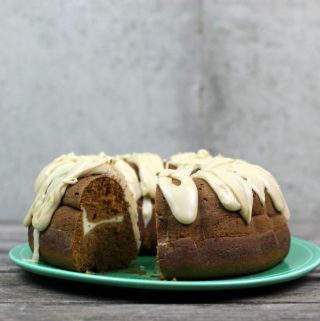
[36, 242]
[146, 210]
[240, 189]
[182, 198]
[232, 180]
[131, 177]
[88, 226]
[223, 192]
[149, 165]
[53, 181]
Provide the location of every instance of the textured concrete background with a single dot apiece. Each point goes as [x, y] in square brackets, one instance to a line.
[237, 77]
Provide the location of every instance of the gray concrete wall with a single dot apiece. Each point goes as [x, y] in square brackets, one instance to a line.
[239, 78]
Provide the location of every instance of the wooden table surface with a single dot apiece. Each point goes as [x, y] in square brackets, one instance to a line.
[25, 296]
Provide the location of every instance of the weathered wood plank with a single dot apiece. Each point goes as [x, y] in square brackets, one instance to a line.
[159, 312]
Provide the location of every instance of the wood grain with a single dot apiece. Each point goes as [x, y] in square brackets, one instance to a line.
[156, 312]
[32, 297]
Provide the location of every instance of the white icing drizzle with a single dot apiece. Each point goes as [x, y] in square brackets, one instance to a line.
[136, 189]
[233, 181]
[36, 241]
[240, 189]
[149, 165]
[54, 179]
[146, 210]
[202, 157]
[182, 199]
[88, 226]
[223, 192]
[130, 176]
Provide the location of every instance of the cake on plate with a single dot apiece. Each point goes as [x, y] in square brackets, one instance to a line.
[205, 217]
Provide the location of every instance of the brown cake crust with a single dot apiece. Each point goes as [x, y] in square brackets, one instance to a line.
[107, 246]
[56, 242]
[219, 243]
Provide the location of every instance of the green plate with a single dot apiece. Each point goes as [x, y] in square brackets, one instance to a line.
[143, 273]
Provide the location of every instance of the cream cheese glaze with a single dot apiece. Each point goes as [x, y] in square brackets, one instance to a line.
[53, 181]
[149, 165]
[182, 199]
[88, 226]
[233, 181]
[201, 157]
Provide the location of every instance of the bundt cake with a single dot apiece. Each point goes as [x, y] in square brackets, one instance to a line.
[206, 217]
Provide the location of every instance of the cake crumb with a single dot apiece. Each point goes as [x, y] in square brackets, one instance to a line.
[89, 272]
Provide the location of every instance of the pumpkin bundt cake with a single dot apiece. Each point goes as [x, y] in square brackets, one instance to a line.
[206, 217]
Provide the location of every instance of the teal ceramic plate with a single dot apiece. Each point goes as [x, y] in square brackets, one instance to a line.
[143, 273]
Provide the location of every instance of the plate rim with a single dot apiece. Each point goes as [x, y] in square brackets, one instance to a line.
[220, 284]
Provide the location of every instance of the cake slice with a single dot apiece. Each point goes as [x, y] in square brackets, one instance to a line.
[84, 216]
